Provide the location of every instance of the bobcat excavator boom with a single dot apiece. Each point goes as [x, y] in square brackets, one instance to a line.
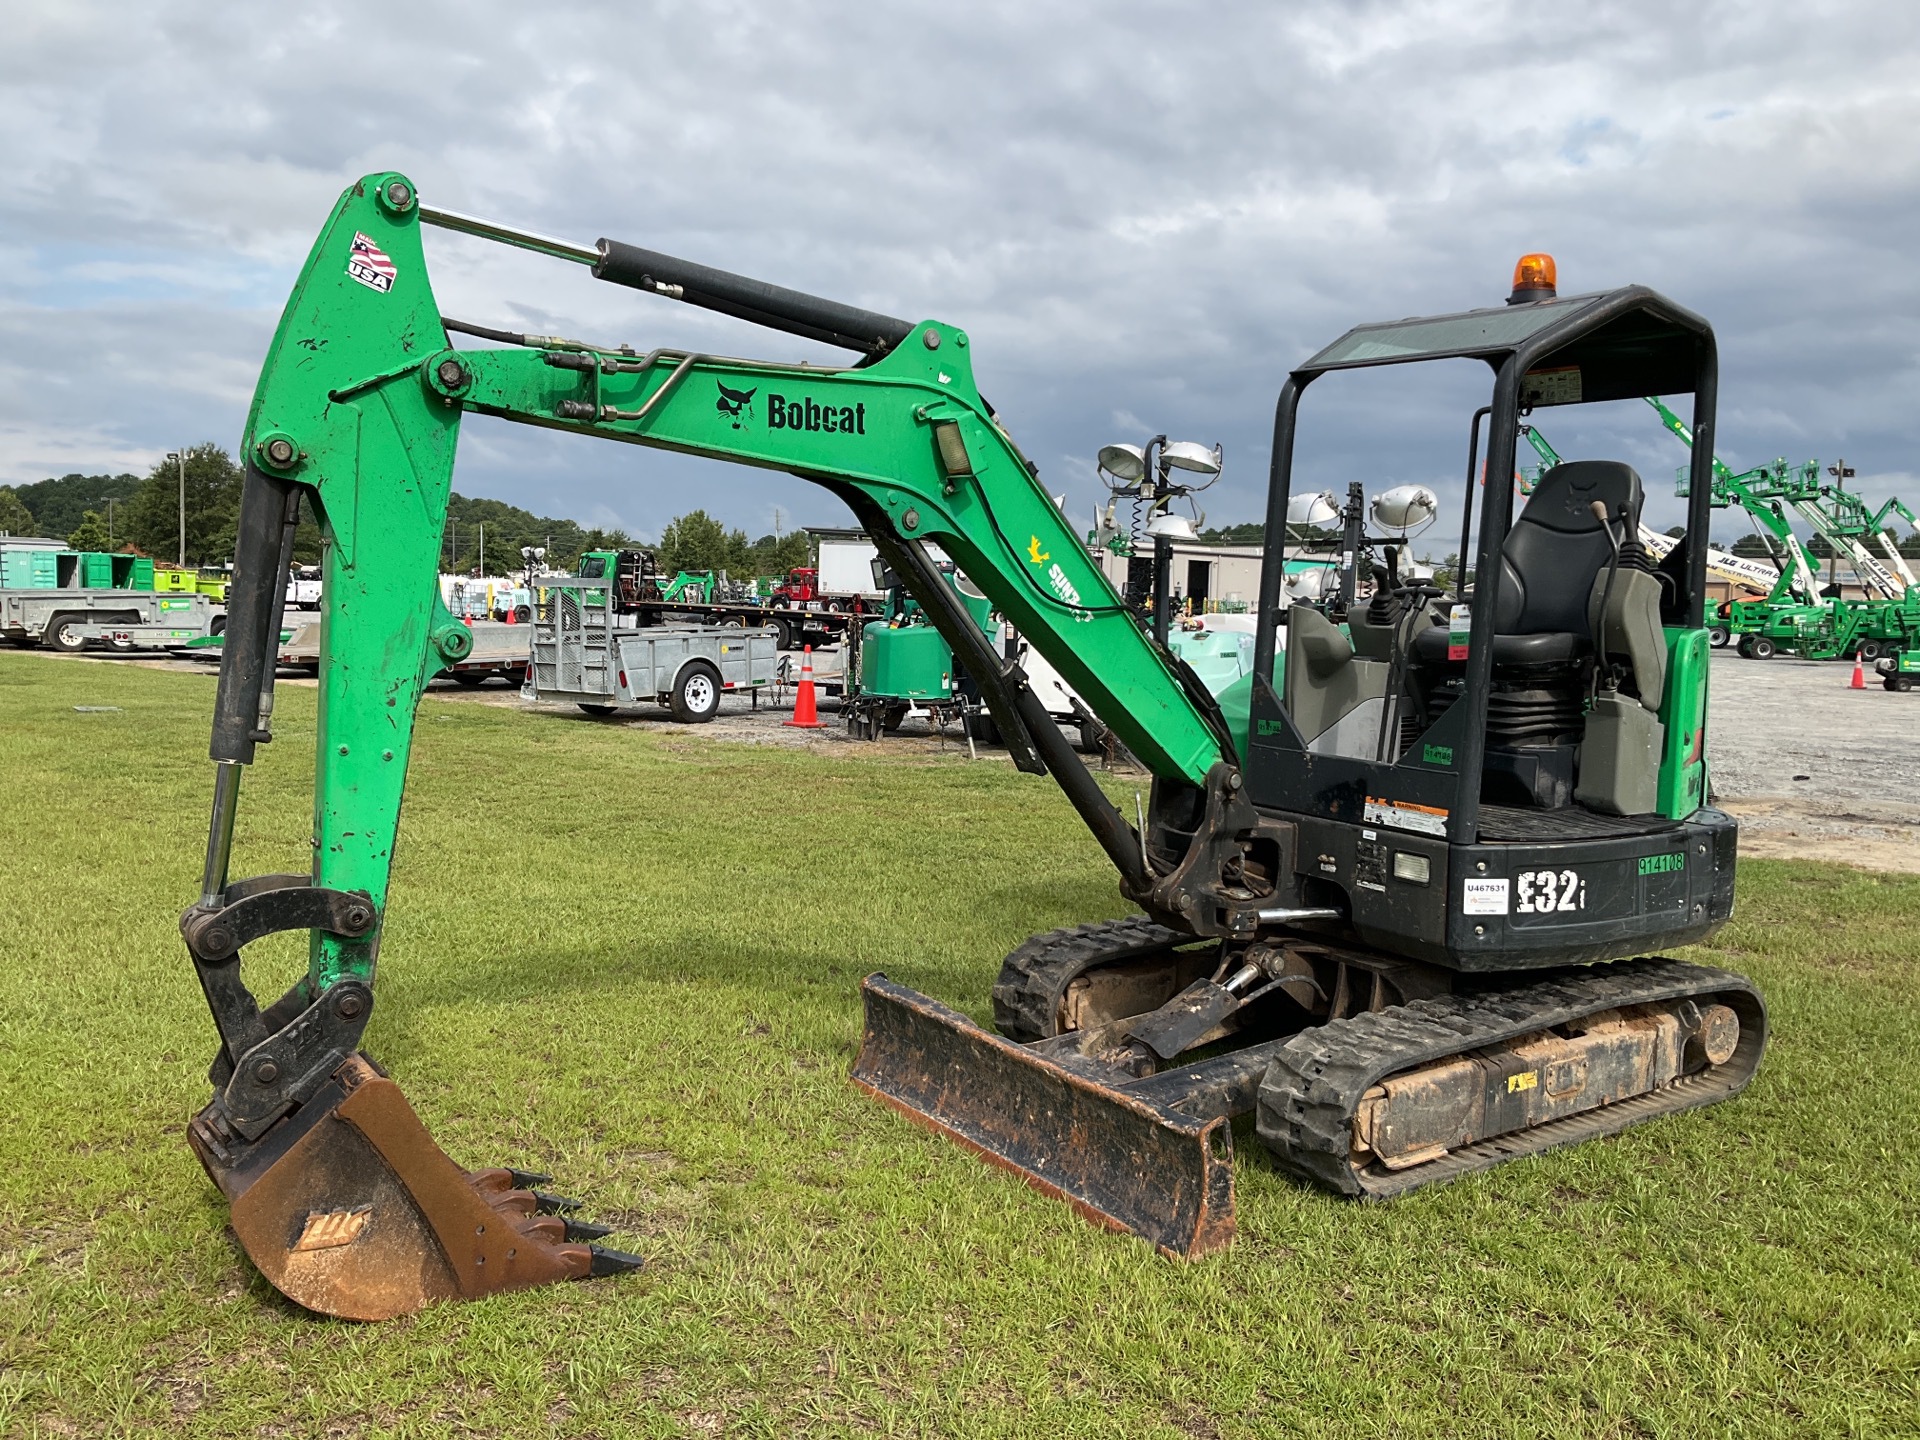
[1265, 956]
[338, 1194]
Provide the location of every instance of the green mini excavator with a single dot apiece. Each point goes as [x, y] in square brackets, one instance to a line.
[1391, 906]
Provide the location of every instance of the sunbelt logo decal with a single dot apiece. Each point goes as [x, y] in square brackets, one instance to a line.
[1057, 579]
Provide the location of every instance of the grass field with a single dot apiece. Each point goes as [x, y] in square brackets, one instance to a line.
[630, 957]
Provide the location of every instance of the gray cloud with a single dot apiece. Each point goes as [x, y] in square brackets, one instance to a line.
[1148, 211]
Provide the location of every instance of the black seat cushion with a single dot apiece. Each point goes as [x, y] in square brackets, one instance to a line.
[1547, 566]
[1545, 648]
[1557, 546]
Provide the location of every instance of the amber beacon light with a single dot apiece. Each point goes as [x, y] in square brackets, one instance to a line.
[1533, 279]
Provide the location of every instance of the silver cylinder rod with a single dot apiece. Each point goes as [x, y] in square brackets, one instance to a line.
[507, 235]
[226, 803]
[1283, 915]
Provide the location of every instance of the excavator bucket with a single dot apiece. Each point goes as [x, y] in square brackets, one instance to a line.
[351, 1210]
[1122, 1160]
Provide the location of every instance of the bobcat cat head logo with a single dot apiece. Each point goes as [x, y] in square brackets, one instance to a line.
[736, 405]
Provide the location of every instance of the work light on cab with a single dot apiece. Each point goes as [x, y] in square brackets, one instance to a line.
[1534, 278]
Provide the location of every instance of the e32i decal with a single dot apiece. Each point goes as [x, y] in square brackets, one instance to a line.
[1544, 892]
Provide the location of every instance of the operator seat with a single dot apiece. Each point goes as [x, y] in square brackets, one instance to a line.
[1548, 564]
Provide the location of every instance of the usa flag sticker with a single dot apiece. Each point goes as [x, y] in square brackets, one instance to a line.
[369, 264]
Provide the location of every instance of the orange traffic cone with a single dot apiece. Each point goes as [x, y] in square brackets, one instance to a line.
[805, 716]
[1859, 681]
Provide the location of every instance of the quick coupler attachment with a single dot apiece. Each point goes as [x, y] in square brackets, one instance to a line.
[1121, 1160]
[349, 1208]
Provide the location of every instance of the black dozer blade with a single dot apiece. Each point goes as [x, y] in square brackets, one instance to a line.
[1116, 1158]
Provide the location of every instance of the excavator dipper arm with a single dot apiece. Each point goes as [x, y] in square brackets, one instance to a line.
[338, 1194]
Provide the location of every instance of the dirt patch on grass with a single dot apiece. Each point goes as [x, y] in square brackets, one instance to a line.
[1870, 838]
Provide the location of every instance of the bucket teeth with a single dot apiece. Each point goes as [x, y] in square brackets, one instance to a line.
[350, 1209]
[613, 1262]
[511, 1189]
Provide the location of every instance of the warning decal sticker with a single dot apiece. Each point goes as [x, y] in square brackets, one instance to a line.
[369, 264]
[1558, 386]
[1427, 819]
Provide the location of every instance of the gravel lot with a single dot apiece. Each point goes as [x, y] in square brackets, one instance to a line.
[1813, 768]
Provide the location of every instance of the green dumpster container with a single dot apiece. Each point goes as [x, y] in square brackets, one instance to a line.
[85, 570]
[29, 569]
[132, 572]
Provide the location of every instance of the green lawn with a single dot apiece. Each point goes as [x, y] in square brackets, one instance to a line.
[630, 956]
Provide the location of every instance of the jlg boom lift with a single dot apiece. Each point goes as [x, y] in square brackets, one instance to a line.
[1378, 909]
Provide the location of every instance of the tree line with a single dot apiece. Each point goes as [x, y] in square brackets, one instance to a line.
[141, 514]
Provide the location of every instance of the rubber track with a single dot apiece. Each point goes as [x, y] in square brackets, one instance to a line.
[1315, 1083]
[1026, 997]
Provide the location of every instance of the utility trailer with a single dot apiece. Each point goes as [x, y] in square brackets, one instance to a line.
[644, 596]
[582, 654]
[71, 619]
[499, 649]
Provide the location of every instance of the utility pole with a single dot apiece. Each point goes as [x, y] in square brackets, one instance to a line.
[180, 457]
[480, 566]
[1841, 472]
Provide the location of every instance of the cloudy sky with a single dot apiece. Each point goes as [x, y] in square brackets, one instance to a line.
[1144, 214]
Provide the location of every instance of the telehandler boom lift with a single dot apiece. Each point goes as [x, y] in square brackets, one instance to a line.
[1375, 904]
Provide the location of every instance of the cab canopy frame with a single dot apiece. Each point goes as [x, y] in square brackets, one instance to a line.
[1620, 344]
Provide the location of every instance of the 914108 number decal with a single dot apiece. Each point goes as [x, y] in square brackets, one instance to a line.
[1542, 892]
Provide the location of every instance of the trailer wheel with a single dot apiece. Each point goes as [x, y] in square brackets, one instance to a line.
[62, 633]
[470, 678]
[892, 720]
[217, 625]
[696, 695]
[597, 710]
[1870, 651]
[782, 634]
[1762, 648]
[1717, 636]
